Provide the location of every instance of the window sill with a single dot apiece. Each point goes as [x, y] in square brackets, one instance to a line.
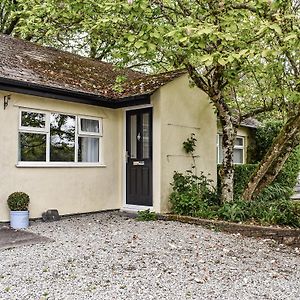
[58, 165]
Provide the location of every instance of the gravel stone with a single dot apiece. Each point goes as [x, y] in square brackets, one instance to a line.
[110, 256]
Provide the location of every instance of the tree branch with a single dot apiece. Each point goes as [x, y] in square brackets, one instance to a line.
[256, 111]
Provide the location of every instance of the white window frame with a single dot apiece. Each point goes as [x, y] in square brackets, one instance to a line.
[86, 133]
[236, 147]
[81, 133]
[33, 129]
[46, 131]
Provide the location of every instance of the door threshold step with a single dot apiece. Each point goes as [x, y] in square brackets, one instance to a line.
[135, 210]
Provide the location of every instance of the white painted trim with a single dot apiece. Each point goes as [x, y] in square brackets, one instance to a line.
[126, 206]
[135, 208]
[29, 164]
[136, 107]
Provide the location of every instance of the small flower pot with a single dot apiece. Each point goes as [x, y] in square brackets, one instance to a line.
[19, 219]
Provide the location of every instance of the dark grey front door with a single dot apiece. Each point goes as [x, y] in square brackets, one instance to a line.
[139, 157]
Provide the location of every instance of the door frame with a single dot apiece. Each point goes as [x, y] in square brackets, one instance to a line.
[125, 206]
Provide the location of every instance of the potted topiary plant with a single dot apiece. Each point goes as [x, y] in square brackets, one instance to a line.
[19, 215]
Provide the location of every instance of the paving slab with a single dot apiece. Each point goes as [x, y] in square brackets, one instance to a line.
[10, 238]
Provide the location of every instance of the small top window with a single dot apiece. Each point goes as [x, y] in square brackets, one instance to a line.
[89, 126]
[239, 142]
[33, 119]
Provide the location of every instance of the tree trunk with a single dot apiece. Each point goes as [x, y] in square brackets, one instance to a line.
[277, 165]
[214, 87]
[273, 161]
[229, 132]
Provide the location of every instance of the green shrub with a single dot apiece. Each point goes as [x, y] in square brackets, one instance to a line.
[195, 196]
[18, 201]
[289, 173]
[146, 215]
[283, 212]
[236, 211]
[191, 194]
[263, 139]
[283, 185]
[242, 175]
[281, 189]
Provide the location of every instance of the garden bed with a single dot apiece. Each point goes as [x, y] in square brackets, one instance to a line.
[283, 235]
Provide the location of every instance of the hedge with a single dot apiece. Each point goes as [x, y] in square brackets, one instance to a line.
[281, 189]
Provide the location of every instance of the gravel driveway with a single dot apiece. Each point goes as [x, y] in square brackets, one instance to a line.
[108, 256]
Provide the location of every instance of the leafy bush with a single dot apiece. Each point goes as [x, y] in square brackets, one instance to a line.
[146, 215]
[289, 174]
[281, 189]
[283, 212]
[242, 175]
[18, 201]
[195, 196]
[263, 139]
[191, 194]
[283, 185]
[236, 211]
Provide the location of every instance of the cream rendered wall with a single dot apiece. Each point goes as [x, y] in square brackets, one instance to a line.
[180, 110]
[70, 190]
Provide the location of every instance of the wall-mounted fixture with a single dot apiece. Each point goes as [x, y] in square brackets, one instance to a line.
[6, 100]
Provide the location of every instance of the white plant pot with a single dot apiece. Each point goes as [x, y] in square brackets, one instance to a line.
[19, 219]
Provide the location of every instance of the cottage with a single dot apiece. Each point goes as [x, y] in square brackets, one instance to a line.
[75, 140]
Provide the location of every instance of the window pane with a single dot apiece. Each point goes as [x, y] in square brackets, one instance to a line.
[88, 125]
[32, 147]
[88, 149]
[32, 119]
[62, 137]
[221, 155]
[239, 141]
[133, 136]
[221, 140]
[238, 156]
[146, 136]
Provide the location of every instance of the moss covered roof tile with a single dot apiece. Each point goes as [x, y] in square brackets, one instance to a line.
[48, 67]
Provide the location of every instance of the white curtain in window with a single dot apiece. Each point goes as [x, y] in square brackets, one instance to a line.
[88, 125]
[89, 149]
[238, 156]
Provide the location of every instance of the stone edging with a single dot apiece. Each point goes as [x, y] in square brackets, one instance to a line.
[286, 236]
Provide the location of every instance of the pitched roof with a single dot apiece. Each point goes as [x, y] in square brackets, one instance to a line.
[250, 123]
[28, 63]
